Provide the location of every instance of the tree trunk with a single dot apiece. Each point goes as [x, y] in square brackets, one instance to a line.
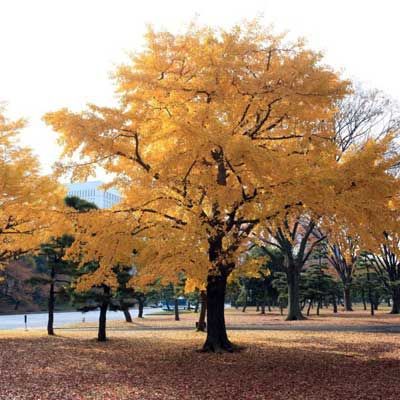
[257, 307]
[217, 338]
[395, 301]
[363, 299]
[127, 314]
[319, 305]
[264, 299]
[201, 325]
[334, 304]
[141, 306]
[196, 308]
[176, 309]
[347, 298]
[309, 307]
[102, 337]
[294, 311]
[50, 322]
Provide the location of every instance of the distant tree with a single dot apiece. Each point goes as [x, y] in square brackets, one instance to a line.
[386, 264]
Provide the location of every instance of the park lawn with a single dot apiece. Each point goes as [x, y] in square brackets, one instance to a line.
[164, 364]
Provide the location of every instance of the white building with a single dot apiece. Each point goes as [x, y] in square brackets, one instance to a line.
[91, 191]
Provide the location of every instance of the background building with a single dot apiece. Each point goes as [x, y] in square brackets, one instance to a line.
[91, 191]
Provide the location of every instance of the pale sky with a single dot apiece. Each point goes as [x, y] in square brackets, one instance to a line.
[59, 53]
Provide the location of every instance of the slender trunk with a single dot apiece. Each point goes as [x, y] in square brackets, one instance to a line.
[264, 299]
[140, 306]
[319, 305]
[363, 299]
[201, 324]
[196, 307]
[334, 303]
[257, 307]
[371, 302]
[245, 300]
[102, 337]
[347, 298]
[50, 322]
[217, 338]
[176, 309]
[309, 307]
[395, 301]
[188, 306]
[293, 278]
[167, 305]
[127, 314]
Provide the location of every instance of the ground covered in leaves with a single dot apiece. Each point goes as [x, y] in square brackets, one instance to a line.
[351, 356]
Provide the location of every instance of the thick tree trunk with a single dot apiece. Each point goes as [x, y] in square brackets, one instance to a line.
[176, 309]
[102, 336]
[395, 301]
[127, 314]
[50, 322]
[141, 306]
[347, 298]
[294, 311]
[217, 339]
[201, 325]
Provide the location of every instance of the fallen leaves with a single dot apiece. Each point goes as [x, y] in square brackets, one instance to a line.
[163, 364]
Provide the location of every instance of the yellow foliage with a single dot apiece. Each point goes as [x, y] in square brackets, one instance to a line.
[217, 131]
[30, 204]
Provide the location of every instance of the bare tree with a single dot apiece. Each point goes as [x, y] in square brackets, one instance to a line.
[362, 115]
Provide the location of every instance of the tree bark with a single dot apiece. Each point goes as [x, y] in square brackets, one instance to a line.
[395, 301]
[102, 336]
[347, 298]
[293, 279]
[201, 325]
[217, 338]
[176, 309]
[50, 322]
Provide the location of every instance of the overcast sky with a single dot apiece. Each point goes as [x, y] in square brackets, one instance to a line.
[57, 53]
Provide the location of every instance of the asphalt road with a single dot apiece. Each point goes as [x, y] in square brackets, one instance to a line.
[39, 320]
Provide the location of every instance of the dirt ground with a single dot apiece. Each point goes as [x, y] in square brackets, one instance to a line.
[347, 356]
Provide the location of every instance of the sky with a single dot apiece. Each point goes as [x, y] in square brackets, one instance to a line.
[60, 53]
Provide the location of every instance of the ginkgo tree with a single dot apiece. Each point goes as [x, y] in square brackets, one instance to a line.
[30, 204]
[214, 133]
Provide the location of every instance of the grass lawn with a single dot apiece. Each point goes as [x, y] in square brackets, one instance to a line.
[349, 356]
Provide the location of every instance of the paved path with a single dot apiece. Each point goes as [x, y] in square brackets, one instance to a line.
[39, 320]
[372, 328]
